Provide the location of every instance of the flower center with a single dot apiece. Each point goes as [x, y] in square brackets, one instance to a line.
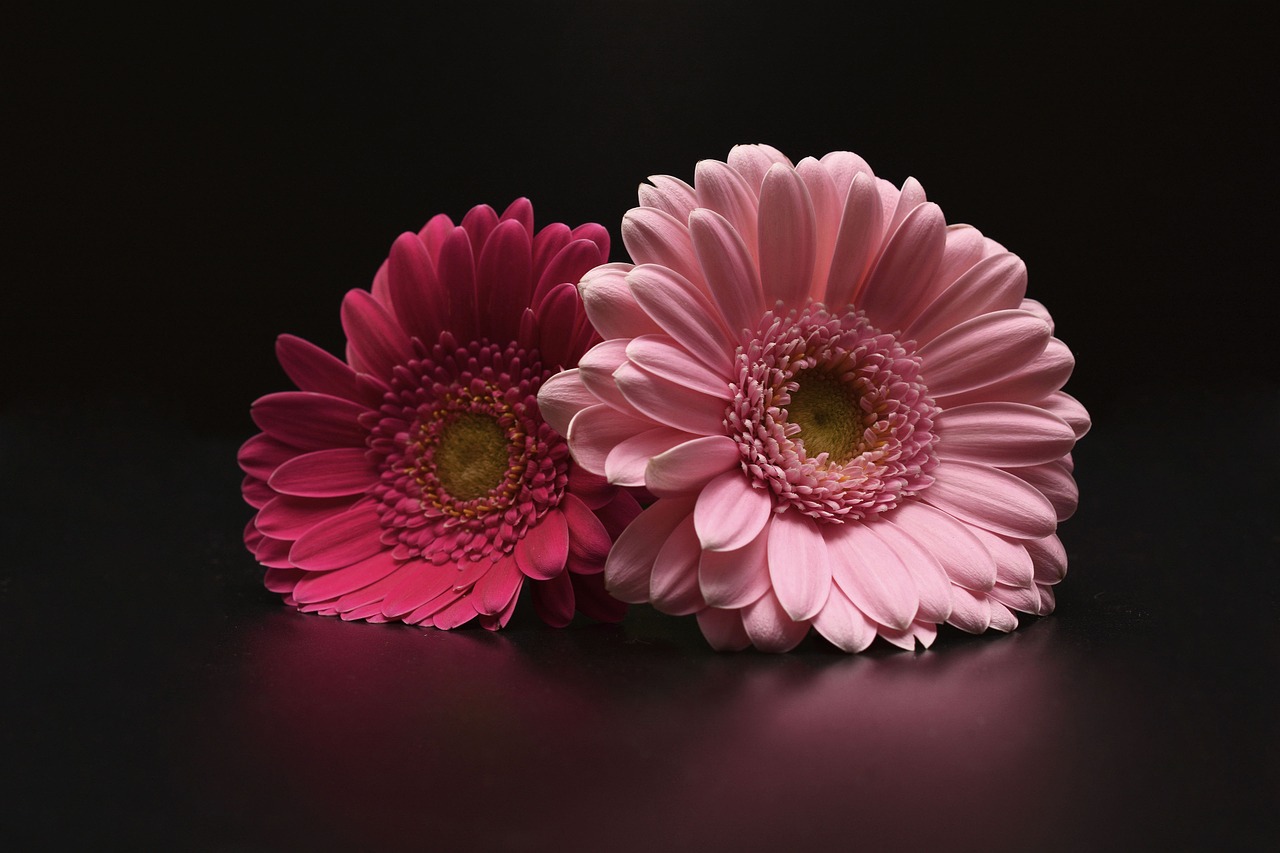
[826, 411]
[830, 415]
[471, 456]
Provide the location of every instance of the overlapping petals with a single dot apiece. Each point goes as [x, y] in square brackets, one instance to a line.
[416, 479]
[849, 413]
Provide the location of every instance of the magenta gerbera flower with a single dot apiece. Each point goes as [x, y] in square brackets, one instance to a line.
[849, 413]
[417, 480]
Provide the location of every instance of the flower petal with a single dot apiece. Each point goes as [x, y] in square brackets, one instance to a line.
[627, 462]
[541, 552]
[690, 465]
[994, 284]
[670, 195]
[798, 565]
[844, 625]
[729, 269]
[309, 421]
[630, 563]
[730, 512]
[752, 162]
[899, 284]
[931, 582]
[348, 538]
[684, 313]
[734, 579]
[418, 583]
[288, 517]
[1048, 558]
[563, 396]
[1055, 482]
[723, 629]
[669, 402]
[611, 307]
[725, 194]
[769, 626]
[375, 341]
[324, 586]
[568, 266]
[969, 611]
[654, 237]
[981, 351]
[1028, 382]
[673, 585]
[1002, 434]
[588, 540]
[857, 242]
[456, 270]
[596, 430]
[787, 235]
[592, 600]
[662, 356]
[504, 280]
[1069, 409]
[991, 499]
[326, 474]
[872, 575]
[1013, 563]
[419, 302]
[961, 554]
[500, 584]
[313, 369]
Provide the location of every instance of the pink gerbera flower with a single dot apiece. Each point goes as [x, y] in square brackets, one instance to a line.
[851, 417]
[417, 480]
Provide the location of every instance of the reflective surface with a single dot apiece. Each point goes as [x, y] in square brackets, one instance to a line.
[158, 695]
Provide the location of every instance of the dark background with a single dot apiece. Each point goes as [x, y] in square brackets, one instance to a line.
[182, 186]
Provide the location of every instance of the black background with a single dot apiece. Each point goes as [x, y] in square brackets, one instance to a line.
[182, 186]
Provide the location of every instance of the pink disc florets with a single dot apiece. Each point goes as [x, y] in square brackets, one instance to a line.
[865, 416]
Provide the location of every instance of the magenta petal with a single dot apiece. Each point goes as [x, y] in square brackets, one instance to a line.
[255, 492]
[346, 539]
[520, 210]
[288, 517]
[591, 599]
[542, 552]
[416, 296]
[588, 540]
[769, 626]
[597, 234]
[723, 629]
[418, 583]
[504, 280]
[568, 266]
[799, 566]
[325, 474]
[282, 581]
[375, 342]
[618, 513]
[323, 586]
[261, 455]
[872, 575]
[308, 420]
[991, 499]
[459, 613]
[500, 584]
[630, 563]
[733, 579]
[455, 268]
[313, 369]
[730, 512]
[553, 600]
[673, 585]
[557, 317]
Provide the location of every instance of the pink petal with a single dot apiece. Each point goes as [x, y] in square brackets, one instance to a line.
[723, 629]
[627, 462]
[787, 235]
[563, 396]
[669, 402]
[931, 582]
[844, 625]
[725, 194]
[981, 351]
[500, 584]
[991, 499]
[752, 162]
[568, 265]
[553, 600]
[1025, 599]
[1047, 600]
[871, 574]
[288, 517]
[1032, 306]
[1048, 558]
[684, 313]
[309, 421]
[827, 207]
[542, 552]
[419, 302]
[630, 563]
[1013, 563]
[609, 304]
[1002, 618]
[662, 356]
[673, 585]
[730, 512]
[375, 342]
[596, 430]
[1069, 409]
[596, 368]
[965, 247]
[1055, 482]
[960, 553]
[323, 586]
[733, 579]
[994, 284]
[654, 237]
[348, 538]
[1028, 382]
[588, 540]
[857, 243]
[909, 199]
[1002, 434]
[313, 369]
[326, 474]
[969, 611]
[729, 269]
[504, 280]
[900, 283]
[690, 465]
[798, 565]
[670, 195]
[923, 633]
[844, 167]
[769, 626]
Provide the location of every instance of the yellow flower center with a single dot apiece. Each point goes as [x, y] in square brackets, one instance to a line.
[472, 456]
[827, 413]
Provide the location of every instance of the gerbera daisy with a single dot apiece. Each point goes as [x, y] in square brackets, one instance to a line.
[416, 480]
[849, 413]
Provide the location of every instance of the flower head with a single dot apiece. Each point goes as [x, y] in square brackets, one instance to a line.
[849, 413]
[416, 480]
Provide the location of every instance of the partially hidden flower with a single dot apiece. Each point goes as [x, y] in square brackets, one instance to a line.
[416, 480]
[849, 413]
